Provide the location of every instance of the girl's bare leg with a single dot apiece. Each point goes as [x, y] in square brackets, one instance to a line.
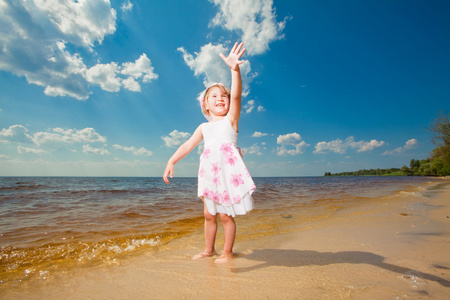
[210, 234]
[229, 230]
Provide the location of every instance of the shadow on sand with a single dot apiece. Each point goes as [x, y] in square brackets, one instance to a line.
[299, 258]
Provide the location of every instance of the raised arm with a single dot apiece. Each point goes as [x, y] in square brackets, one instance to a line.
[236, 82]
[181, 152]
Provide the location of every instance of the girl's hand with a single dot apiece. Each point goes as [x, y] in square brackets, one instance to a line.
[233, 58]
[168, 172]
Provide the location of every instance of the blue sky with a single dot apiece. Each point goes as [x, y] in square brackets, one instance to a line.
[108, 88]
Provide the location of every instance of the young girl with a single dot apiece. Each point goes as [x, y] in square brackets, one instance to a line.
[224, 183]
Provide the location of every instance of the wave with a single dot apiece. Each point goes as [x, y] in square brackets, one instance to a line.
[20, 263]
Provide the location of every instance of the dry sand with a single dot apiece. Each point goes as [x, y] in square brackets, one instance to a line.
[395, 248]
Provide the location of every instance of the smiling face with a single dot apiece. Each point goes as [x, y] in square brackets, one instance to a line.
[217, 101]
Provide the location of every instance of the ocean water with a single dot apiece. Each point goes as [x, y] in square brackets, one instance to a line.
[53, 224]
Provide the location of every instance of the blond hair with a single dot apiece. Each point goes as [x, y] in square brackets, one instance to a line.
[223, 88]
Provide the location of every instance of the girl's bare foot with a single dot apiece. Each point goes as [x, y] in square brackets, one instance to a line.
[224, 258]
[204, 254]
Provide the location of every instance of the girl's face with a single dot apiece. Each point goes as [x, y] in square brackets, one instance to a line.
[217, 102]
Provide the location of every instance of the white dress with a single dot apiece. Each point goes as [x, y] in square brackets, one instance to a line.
[223, 179]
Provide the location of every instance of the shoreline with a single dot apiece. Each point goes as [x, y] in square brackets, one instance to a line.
[393, 247]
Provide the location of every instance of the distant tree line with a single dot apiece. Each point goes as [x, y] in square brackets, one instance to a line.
[438, 164]
[371, 172]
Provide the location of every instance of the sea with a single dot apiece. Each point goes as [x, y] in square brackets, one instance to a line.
[57, 224]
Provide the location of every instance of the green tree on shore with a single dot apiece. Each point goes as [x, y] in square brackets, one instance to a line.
[438, 164]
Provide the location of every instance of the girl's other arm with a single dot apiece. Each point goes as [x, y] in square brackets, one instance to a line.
[182, 151]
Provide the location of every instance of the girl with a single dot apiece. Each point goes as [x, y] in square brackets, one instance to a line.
[224, 183]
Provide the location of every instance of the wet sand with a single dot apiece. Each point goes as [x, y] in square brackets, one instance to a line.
[389, 248]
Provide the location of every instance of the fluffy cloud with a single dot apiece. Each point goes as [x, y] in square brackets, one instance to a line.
[363, 146]
[255, 149]
[250, 106]
[105, 76]
[207, 63]
[134, 150]
[15, 133]
[339, 146]
[254, 19]
[58, 138]
[34, 36]
[290, 144]
[141, 68]
[97, 151]
[259, 134]
[22, 149]
[59, 135]
[112, 77]
[175, 138]
[126, 6]
[410, 144]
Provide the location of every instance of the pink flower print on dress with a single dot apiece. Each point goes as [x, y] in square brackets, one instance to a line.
[216, 180]
[201, 172]
[230, 160]
[206, 153]
[206, 193]
[215, 168]
[226, 149]
[236, 179]
[214, 196]
[236, 199]
[225, 198]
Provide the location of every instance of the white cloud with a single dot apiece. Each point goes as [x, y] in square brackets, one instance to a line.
[290, 138]
[207, 63]
[59, 135]
[410, 144]
[80, 22]
[134, 150]
[126, 6]
[254, 19]
[290, 144]
[141, 68]
[339, 146]
[248, 108]
[105, 76]
[259, 134]
[15, 133]
[200, 148]
[364, 146]
[34, 36]
[108, 75]
[176, 138]
[98, 151]
[131, 84]
[255, 149]
[22, 149]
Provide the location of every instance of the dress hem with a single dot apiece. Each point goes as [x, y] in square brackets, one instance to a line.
[245, 205]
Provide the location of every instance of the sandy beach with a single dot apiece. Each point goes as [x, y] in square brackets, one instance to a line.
[389, 248]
